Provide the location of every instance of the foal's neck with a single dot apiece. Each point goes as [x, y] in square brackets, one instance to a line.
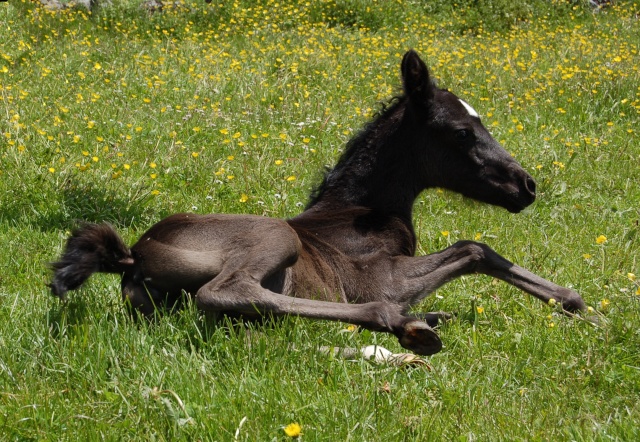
[375, 171]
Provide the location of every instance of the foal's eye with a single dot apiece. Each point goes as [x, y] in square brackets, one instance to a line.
[463, 134]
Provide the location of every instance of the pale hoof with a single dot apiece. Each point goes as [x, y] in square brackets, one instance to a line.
[377, 354]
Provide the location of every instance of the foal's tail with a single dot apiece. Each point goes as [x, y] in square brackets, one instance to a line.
[91, 248]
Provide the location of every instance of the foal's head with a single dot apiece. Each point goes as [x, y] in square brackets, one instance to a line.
[453, 149]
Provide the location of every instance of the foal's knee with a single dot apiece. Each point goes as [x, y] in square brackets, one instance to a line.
[205, 303]
[474, 251]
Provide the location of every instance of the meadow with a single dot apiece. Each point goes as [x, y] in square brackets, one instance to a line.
[127, 116]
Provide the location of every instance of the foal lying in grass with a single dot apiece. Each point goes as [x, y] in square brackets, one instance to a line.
[350, 255]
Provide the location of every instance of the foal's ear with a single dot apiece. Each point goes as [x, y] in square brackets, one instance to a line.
[415, 77]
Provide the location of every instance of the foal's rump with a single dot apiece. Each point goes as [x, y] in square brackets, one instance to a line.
[178, 254]
[185, 251]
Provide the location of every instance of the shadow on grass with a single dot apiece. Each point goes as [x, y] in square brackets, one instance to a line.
[63, 317]
[182, 324]
[75, 203]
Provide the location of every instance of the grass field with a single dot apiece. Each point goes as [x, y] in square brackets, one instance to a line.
[124, 116]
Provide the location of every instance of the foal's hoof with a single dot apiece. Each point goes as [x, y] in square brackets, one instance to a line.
[571, 301]
[420, 338]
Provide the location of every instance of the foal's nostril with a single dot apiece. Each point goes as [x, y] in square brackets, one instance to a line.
[530, 185]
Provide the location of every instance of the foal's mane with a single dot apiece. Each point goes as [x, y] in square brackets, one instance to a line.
[368, 140]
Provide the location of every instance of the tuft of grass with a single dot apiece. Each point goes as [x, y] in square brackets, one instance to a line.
[125, 116]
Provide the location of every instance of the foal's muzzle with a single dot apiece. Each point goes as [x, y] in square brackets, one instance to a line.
[525, 194]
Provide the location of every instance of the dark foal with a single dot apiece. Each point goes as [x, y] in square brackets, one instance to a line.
[349, 256]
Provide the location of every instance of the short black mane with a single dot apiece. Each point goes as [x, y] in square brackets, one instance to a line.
[368, 139]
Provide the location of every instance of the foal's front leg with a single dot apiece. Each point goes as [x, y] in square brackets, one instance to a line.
[420, 276]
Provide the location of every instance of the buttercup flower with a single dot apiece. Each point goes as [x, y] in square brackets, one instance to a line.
[293, 430]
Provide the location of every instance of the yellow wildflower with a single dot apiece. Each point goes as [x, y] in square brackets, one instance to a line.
[293, 430]
[601, 239]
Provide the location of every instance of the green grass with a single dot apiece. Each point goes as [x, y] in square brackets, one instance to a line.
[124, 116]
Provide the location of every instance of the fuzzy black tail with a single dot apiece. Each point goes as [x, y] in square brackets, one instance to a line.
[91, 248]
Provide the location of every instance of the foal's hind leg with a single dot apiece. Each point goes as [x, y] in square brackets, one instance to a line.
[136, 298]
[140, 298]
[238, 288]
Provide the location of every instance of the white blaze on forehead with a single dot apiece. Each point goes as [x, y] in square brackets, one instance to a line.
[469, 109]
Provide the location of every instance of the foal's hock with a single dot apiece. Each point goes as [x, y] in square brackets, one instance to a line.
[350, 255]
